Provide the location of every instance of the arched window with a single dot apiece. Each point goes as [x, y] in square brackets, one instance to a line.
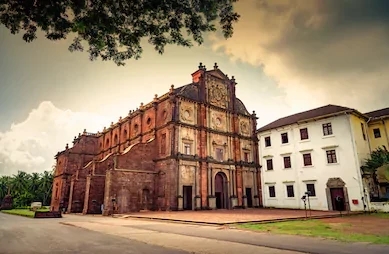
[125, 134]
[115, 140]
[107, 142]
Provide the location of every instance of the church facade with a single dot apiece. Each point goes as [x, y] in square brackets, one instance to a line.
[192, 148]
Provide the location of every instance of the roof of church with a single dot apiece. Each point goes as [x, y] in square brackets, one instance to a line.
[191, 91]
[378, 113]
[309, 114]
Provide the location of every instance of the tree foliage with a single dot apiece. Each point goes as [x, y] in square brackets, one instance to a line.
[26, 188]
[113, 29]
[378, 158]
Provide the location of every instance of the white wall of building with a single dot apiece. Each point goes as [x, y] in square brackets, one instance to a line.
[298, 175]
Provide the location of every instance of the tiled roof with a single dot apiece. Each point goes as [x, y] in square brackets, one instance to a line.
[313, 113]
[378, 113]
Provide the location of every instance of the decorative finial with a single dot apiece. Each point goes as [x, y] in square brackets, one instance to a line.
[155, 96]
[137, 109]
[79, 134]
[201, 66]
[67, 146]
[227, 75]
[111, 123]
[254, 112]
[120, 118]
[172, 88]
[104, 129]
[215, 67]
[204, 68]
[84, 131]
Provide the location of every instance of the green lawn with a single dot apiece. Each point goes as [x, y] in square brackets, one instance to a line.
[318, 228]
[24, 212]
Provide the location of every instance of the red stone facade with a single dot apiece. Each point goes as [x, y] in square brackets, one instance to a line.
[192, 148]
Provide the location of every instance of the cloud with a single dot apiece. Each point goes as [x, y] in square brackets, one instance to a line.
[317, 51]
[31, 145]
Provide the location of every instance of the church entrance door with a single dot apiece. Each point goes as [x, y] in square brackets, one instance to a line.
[221, 191]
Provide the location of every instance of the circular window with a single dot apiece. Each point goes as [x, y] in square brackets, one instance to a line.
[148, 121]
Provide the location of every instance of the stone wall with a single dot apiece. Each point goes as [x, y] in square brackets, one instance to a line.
[129, 191]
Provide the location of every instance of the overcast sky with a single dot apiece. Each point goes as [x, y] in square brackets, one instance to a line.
[287, 56]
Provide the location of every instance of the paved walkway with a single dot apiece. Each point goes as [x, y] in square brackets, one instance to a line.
[222, 217]
[211, 239]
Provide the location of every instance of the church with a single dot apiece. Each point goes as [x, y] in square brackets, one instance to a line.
[193, 148]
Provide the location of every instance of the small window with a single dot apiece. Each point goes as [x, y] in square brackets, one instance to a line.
[272, 191]
[307, 159]
[219, 154]
[284, 138]
[377, 133]
[290, 191]
[331, 156]
[246, 157]
[311, 189]
[267, 142]
[148, 121]
[269, 164]
[327, 129]
[363, 131]
[304, 134]
[287, 162]
[125, 134]
[187, 149]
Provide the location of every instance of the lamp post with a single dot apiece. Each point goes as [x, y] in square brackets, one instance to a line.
[308, 193]
[304, 199]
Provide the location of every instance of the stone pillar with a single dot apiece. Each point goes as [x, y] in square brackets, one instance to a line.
[211, 190]
[234, 200]
[70, 196]
[108, 206]
[86, 198]
[180, 197]
[244, 197]
[197, 189]
[256, 197]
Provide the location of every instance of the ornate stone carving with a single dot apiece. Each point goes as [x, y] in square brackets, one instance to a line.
[217, 93]
[186, 114]
[335, 182]
[244, 128]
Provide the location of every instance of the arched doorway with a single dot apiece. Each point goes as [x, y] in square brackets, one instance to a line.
[221, 191]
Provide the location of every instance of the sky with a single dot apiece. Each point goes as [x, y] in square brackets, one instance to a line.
[286, 55]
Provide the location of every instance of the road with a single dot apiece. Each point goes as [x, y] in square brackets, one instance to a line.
[96, 234]
[25, 235]
[107, 235]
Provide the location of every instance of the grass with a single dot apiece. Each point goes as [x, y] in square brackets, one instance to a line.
[24, 212]
[318, 228]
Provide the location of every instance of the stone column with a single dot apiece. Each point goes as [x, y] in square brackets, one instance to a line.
[180, 198]
[244, 197]
[256, 197]
[197, 189]
[86, 198]
[69, 210]
[211, 190]
[234, 200]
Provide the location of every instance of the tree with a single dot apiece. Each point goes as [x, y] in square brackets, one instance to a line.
[26, 188]
[113, 29]
[378, 158]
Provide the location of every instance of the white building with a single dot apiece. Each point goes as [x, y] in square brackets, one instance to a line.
[320, 151]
